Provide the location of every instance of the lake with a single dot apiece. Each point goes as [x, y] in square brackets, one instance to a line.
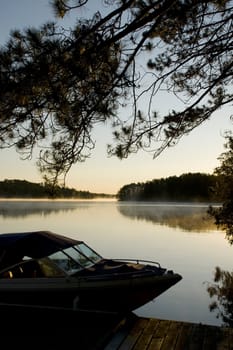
[181, 237]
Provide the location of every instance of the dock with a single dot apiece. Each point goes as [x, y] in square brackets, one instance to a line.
[140, 333]
[31, 328]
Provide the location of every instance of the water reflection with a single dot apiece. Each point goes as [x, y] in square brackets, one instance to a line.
[22, 209]
[186, 217]
[221, 293]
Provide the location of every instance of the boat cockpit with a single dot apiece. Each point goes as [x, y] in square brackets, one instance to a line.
[59, 264]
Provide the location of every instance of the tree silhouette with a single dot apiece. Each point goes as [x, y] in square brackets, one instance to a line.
[224, 190]
[221, 292]
[57, 84]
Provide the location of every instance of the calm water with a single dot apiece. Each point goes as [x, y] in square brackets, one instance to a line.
[180, 237]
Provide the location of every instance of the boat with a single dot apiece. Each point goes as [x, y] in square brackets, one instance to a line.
[43, 269]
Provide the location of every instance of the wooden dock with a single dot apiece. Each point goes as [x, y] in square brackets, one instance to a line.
[64, 329]
[139, 333]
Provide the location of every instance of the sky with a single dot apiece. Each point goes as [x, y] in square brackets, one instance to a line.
[196, 152]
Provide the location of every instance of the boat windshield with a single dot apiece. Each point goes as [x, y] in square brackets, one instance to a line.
[88, 252]
[75, 258]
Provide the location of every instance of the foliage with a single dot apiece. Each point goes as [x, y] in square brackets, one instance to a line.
[221, 292]
[57, 84]
[187, 187]
[224, 190]
[26, 189]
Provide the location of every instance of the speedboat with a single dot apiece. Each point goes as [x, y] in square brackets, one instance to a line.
[42, 269]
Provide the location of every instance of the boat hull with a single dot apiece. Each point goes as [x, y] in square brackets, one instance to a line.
[116, 295]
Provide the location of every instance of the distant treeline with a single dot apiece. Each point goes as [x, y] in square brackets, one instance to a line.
[25, 189]
[187, 187]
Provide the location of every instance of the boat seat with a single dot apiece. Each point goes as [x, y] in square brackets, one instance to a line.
[30, 269]
[26, 269]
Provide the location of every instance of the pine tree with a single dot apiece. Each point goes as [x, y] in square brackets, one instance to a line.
[224, 190]
[57, 84]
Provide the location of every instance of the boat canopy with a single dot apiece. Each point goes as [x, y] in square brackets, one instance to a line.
[37, 244]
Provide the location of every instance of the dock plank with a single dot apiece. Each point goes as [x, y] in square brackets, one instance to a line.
[223, 341]
[196, 337]
[134, 334]
[230, 334]
[147, 335]
[210, 337]
[157, 334]
[184, 335]
[172, 335]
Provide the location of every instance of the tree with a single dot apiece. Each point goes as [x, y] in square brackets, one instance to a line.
[57, 84]
[223, 190]
[186, 187]
[221, 292]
